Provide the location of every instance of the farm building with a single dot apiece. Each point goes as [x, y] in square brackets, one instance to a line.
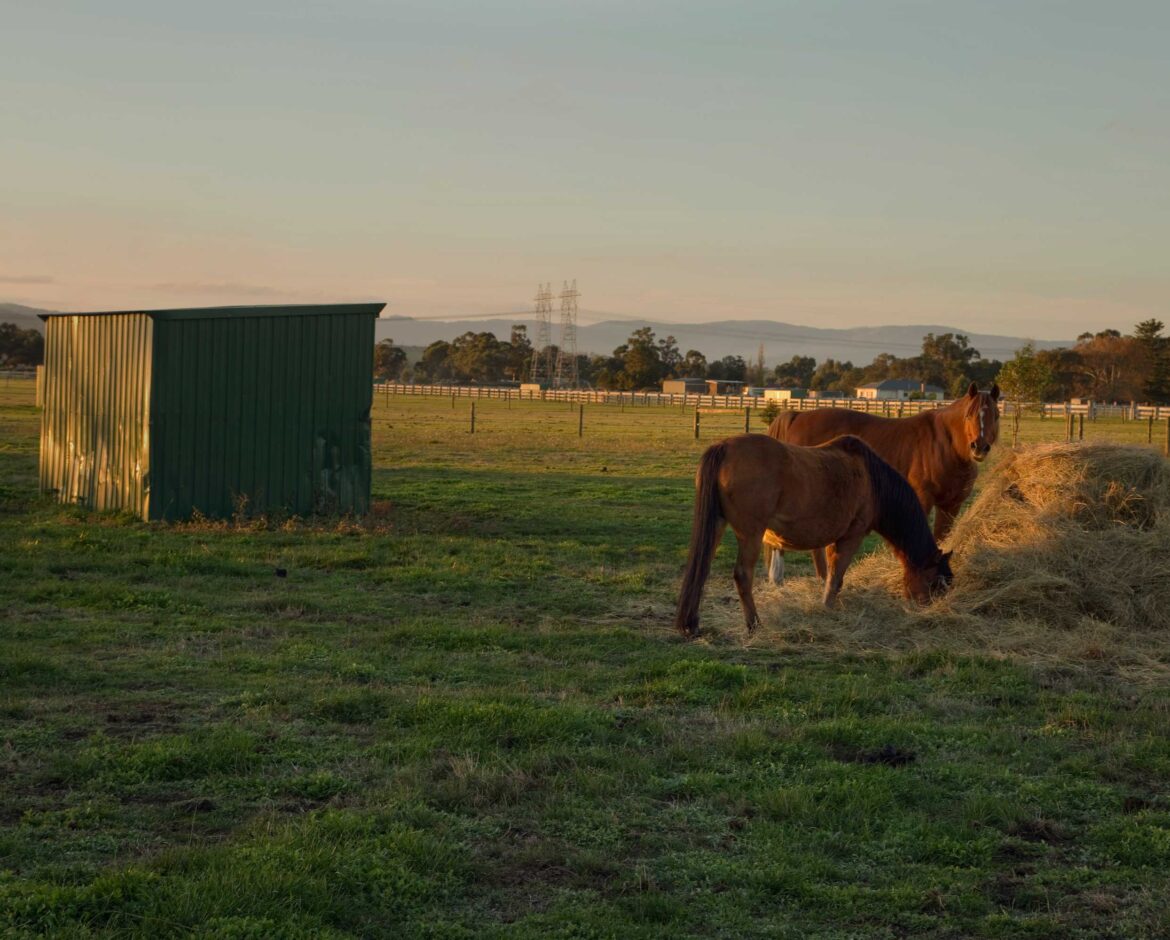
[165, 413]
[684, 387]
[899, 390]
[701, 387]
[785, 394]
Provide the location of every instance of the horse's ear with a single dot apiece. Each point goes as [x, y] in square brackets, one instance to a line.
[995, 392]
[972, 390]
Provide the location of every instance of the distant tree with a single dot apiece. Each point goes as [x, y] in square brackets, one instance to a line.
[797, 372]
[606, 371]
[389, 361]
[670, 357]
[729, 369]
[20, 347]
[1024, 380]
[1109, 367]
[948, 361]
[1065, 365]
[478, 357]
[434, 364]
[834, 376]
[641, 362]
[519, 353]
[1156, 352]
[754, 374]
[694, 365]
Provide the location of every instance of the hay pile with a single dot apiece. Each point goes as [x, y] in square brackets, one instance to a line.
[1064, 555]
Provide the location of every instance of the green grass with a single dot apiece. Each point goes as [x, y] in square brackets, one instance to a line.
[469, 716]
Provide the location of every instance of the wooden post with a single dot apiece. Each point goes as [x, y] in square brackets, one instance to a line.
[1150, 430]
[747, 420]
[473, 416]
[581, 420]
[696, 423]
[1080, 427]
[1166, 447]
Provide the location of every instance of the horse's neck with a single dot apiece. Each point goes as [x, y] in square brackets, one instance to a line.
[902, 523]
[948, 425]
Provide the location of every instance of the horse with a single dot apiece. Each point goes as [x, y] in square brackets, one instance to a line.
[810, 497]
[937, 451]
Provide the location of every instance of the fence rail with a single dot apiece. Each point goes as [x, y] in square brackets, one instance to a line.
[893, 409]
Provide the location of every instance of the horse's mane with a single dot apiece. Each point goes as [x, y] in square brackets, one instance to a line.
[900, 519]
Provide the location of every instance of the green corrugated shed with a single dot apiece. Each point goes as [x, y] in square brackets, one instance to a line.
[167, 412]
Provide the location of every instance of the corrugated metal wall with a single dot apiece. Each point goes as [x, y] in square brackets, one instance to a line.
[261, 412]
[94, 428]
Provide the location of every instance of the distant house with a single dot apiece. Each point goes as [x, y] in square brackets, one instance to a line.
[724, 387]
[899, 390]
[785, 394]
[684, 387]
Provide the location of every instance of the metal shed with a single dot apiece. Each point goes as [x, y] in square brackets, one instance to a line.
[164, 413]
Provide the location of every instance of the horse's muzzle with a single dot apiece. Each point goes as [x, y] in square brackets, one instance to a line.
[979, 451]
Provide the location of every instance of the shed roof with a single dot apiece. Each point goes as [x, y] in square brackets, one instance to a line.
[219, 313]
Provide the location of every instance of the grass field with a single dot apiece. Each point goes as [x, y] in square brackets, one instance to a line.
[469, 716]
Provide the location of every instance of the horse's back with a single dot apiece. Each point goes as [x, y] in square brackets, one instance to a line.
[810, 428]
[848, 444]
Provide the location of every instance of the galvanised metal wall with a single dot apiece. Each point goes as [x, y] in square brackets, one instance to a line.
[261, 411]
[95, 435]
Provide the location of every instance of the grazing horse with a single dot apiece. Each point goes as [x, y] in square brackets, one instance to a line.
[937, 451]
[809, 497]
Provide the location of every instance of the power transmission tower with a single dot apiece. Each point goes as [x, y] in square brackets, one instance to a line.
[542, 364]
[566, 375]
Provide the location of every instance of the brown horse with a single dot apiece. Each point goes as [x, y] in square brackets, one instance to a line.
[938, 451]
[809, 497]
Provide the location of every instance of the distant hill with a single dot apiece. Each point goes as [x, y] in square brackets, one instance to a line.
[25, 317]
[781, 341]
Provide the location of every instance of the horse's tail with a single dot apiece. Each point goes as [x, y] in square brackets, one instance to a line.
[705, 531]
[781, 423]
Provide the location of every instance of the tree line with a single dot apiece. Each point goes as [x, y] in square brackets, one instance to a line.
[644, 361]
[20, 348]
[1105, 366]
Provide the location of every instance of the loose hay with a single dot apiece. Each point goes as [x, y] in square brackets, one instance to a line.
[1064, 556]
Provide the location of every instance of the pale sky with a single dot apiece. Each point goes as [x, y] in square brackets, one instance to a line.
[996, 166]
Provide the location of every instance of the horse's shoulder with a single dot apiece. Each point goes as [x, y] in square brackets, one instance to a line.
[780, 424]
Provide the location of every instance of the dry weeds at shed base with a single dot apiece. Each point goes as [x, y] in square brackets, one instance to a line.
[1064, 557]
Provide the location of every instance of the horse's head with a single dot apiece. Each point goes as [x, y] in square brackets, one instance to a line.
[933, 580]
[981, 420]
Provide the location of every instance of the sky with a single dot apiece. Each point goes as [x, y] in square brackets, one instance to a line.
[999, 167]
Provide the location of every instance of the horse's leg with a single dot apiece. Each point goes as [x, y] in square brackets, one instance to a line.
[839, 556]
[944, 518]
[819, 564]
[745, 568]
[775, 564]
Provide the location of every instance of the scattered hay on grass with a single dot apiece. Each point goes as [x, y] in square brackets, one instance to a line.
[1064, 557]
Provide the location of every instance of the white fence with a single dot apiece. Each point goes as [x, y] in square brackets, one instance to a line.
[893, 409]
